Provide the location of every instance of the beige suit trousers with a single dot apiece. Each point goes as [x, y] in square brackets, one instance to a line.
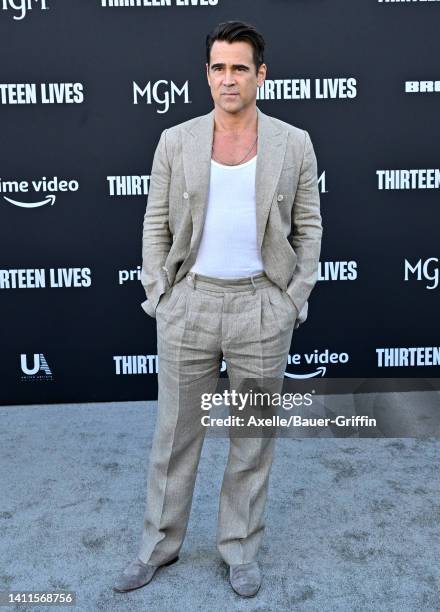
[249, 322]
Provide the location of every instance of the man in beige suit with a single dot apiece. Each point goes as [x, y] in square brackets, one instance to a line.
[231, 245]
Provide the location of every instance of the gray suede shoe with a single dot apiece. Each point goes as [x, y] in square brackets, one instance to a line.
[245, 578]
[137, 574]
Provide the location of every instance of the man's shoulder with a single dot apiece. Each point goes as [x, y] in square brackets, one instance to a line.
[294, 130]
[185, 125]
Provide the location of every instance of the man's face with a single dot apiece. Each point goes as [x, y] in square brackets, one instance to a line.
[232, 75]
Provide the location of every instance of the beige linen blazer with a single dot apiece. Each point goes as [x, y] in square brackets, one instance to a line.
[289, 225]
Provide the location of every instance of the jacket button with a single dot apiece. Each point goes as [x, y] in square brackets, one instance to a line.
[280, 197]
[185, 195]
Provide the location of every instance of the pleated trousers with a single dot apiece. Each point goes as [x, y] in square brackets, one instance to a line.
[249, 322]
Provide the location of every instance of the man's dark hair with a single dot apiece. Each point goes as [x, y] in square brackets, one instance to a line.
[233, 31]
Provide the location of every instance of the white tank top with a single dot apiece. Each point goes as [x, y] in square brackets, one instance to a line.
[228, 247]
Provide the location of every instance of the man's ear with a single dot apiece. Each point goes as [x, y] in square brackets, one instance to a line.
[262, 72]
[207, 72]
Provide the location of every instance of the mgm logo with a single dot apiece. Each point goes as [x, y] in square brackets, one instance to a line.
[163, 93]
[22, 7]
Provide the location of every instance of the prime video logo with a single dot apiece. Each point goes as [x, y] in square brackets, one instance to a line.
[23, 6]
[166, 96]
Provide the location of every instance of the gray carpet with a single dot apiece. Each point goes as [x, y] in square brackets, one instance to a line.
[352, 524]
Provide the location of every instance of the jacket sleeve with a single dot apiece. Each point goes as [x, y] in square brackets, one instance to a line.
[156, 236]
[306, 232]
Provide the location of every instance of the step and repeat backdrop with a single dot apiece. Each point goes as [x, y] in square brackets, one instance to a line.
[86, 88]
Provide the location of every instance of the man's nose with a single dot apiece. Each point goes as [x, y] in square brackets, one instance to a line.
[229, 78]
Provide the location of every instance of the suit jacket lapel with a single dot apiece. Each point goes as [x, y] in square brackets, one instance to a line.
[196, 152]
[271, 151]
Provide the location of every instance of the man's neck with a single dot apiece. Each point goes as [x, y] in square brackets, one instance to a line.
[235, 123]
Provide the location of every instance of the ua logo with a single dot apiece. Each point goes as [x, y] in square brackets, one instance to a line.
[40, 363]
